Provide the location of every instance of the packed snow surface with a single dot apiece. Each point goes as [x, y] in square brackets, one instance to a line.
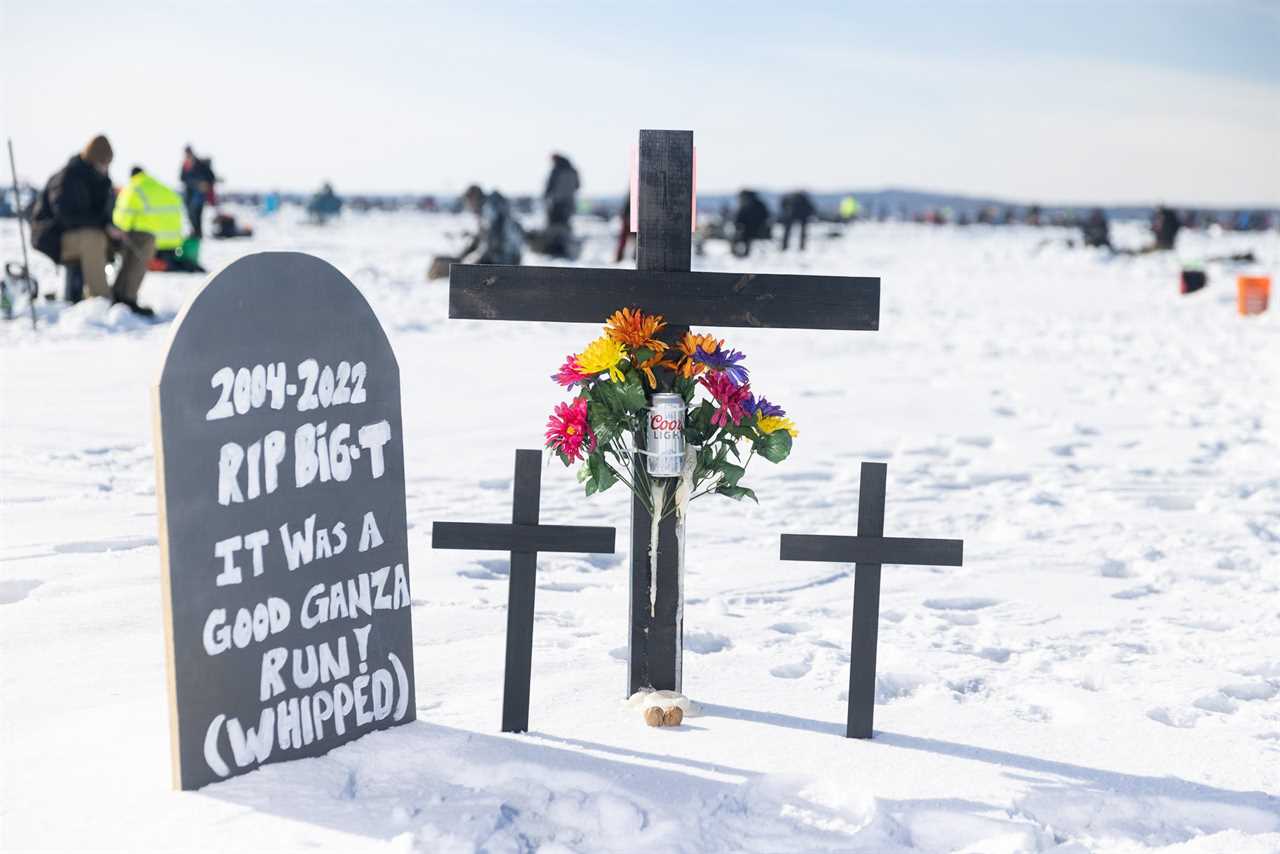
[1103, 674]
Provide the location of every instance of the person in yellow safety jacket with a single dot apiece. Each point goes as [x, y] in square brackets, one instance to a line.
[144, 212]
[849, 208]
[148, 206]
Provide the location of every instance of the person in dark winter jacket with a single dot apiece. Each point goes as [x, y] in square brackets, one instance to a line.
[324, 205]
[750, 222]
[1095, 230]
[197, 187]
[561, 194]
[797, 209]
[71, 224]
[560, 198]
[1165, 225]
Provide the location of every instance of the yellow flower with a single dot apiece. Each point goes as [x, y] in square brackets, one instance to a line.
[602, 354]
[777, 422]
[636, 329]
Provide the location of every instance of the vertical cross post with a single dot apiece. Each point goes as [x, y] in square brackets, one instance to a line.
[664, 227]
[866, 605]
[523, 582]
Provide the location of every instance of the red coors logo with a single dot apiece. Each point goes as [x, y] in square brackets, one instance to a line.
[657, 422]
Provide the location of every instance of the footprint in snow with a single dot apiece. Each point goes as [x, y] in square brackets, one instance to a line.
[1136, 592]
[891, 686]
[1216, 702]
[960, 603]
[17, 589]
[117, 544]
[792, 671]
[1112, 568]
[705, 643]
[1179, 718]
[791, 628]
[1251, 690]
[998, 654]
[805, 476]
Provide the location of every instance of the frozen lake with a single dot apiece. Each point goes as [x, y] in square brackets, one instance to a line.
[1103, 674]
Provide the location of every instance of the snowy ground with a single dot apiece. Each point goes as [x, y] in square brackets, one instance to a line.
[1102, 675]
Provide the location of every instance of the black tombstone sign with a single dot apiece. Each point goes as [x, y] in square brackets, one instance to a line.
[283, 536]
[869, 551]
[662, 283]
[524, 538]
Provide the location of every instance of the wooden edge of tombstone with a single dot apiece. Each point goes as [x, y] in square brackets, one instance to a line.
[166, 587]
[162, 520]
[166, 591]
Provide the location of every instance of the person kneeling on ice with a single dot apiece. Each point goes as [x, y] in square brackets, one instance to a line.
[498, 238]
[72, 225]
[146, 208]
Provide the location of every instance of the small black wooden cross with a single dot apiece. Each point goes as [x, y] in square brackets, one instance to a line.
[524, 538]
[662, 284]
[868, 552]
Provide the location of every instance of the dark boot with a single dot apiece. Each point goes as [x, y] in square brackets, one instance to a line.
[74, 286]
[139, 310]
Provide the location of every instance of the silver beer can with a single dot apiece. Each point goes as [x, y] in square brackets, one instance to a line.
[664, 436]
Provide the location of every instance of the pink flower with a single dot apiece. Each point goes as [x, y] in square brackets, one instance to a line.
[567, 431]
[570, 373]
[731, 399]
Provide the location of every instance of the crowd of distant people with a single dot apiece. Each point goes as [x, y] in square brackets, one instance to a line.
[83, 222]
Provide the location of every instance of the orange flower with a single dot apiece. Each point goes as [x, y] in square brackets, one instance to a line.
[646, 367]
[688, 345]
[636, 329]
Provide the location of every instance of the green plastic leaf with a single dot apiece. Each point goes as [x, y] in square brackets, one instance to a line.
[730, 474]
[600, 476]
[774, 446]
[737, 493]
[621, 398]
[697, 425]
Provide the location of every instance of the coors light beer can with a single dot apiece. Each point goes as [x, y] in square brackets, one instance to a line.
[664, 436]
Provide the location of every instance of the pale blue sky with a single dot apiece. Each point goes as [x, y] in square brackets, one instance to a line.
[1052, 101]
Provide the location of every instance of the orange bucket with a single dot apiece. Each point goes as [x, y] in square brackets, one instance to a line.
[1252, 293]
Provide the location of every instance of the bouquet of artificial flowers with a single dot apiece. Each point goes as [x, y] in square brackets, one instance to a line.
[723, 417]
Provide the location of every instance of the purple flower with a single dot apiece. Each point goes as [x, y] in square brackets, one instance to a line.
[723, 361]
[764, 409]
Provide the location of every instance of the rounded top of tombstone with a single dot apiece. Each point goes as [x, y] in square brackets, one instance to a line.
[268, 306]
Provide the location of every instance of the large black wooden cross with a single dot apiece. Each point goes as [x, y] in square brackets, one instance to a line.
[868, 552]
[662, 284]
[524, 538]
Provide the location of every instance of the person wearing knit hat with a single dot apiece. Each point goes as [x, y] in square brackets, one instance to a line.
[98, 153]
[71, 224]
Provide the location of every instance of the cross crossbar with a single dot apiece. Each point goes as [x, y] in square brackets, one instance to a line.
[879, 550]
[522, 538]
[569, 295]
